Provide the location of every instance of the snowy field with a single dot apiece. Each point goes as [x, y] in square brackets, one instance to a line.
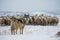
[31, 32]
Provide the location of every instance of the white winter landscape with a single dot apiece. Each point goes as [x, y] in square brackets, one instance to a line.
[32, 32]
[31, 7]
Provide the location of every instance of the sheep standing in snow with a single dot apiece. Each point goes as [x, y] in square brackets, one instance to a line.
[52, 20]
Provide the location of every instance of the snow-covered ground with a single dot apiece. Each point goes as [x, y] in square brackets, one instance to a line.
[31, 32]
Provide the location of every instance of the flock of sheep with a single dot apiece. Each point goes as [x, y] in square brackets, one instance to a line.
[31, 20]
[20, 21]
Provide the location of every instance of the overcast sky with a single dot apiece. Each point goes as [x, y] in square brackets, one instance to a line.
[30, 5]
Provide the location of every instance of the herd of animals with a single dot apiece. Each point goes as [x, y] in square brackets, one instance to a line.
[31, 20]
[19, 21]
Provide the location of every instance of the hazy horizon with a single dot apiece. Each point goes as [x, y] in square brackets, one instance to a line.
[30, 5]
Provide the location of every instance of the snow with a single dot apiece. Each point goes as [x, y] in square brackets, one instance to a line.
[31, 32]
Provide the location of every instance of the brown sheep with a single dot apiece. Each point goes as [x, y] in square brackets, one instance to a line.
[55, 20]
[52, 20]
[4, 21]
[38, 20]
[44, 20]
[49, 20]
[30, 20]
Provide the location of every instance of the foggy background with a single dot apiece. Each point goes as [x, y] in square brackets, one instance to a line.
[52, 6]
